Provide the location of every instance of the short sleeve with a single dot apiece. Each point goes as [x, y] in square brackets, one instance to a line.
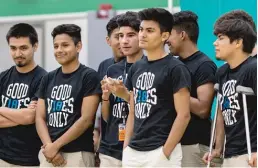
[220, 71]
[251, 78]
[91, 82]
[36, 89]
[1, 82]
[180, 78]
[254, 82]
[101, 72]
[206, 73]
[41, 91]
[217, 77]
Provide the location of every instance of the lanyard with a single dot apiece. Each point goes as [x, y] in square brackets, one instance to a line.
[124, 81]
[125, 73]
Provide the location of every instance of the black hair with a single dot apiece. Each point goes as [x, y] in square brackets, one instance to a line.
[129, 19]
[237, 29]
[238, 14]
[112, 25]
[72, 30]
[23, 30]
[163, 17]
[187, 21]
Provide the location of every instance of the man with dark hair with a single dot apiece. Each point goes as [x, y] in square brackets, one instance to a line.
[159, 98]
[19, 141]
[183, 42]
[240, 14]
[68, 100]
[235, 41]
[112, 40]
[114, 109]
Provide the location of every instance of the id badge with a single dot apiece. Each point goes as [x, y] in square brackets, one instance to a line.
[121, 132]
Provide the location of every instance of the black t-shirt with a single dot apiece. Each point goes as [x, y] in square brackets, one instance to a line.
[20, 144]
[63, 95]
[102, 71]
[110, 144]
[202, 71]
[153, 84]
[231, 104]
[103, 66]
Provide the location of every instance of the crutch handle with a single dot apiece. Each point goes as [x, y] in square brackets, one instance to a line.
[245, 90]
[216, 87]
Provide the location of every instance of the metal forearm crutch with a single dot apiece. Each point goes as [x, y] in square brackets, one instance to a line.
[246, 91]
[216, 88]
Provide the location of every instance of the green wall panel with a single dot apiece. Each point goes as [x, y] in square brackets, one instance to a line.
[29, 7]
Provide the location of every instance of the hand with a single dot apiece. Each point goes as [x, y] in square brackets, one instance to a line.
[105, 89]
[97, 160]
[33, 105]
[166, 152]
[118, 88]
[58, 160]
[50, 150]
[253, 161]
[206, 158]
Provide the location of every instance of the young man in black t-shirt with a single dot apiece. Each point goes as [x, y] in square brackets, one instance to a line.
[114, 109]
[112, 40]
[235, 42]
[68, 100]
[159, 96]
[183, 42]
[19, 142]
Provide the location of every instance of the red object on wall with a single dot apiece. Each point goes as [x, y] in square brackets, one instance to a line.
[103, 11]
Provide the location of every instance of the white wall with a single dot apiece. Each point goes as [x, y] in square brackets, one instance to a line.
[5, 58]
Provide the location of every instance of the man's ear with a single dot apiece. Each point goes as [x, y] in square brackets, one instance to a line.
[79, 46]
[183, 35]
[35, 47]
[165, 36]
[108, 40]
[239, 43]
